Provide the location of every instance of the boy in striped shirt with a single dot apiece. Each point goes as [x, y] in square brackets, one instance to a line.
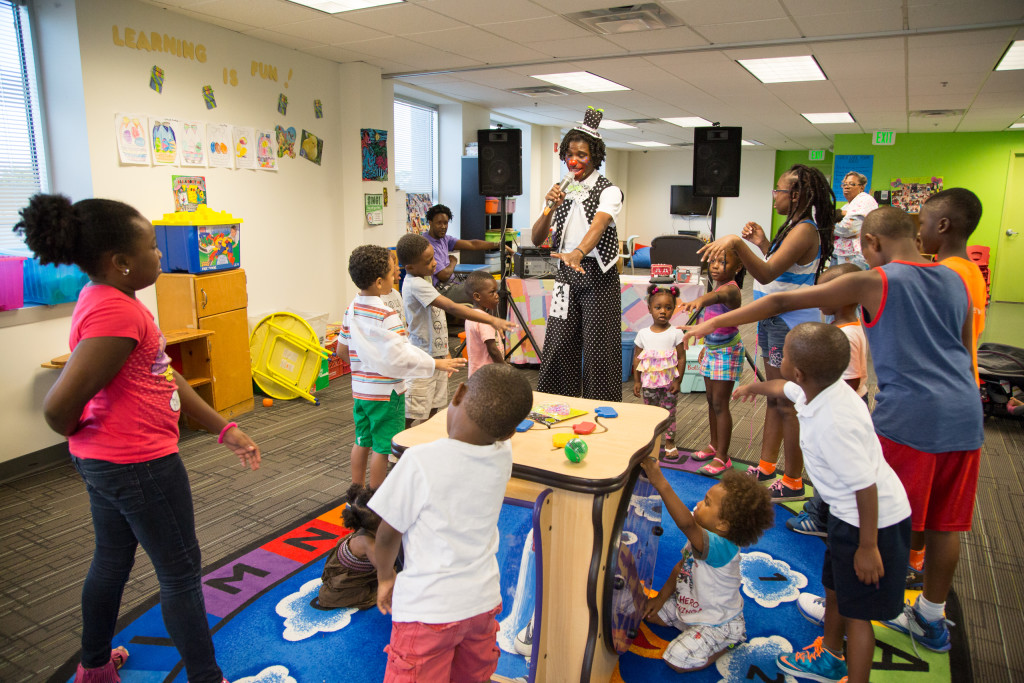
[375, 342]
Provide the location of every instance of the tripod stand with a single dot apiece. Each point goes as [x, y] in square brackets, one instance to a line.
[504, 297]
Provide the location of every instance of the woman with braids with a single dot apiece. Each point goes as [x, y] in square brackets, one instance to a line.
[792, 260]
[584, 319]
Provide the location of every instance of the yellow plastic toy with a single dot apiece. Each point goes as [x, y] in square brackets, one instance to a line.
[559, 440]
[286, 356]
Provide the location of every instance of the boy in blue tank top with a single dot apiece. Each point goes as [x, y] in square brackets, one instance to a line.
[928, 417]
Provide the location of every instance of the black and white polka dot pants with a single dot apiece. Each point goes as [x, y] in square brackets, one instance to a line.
[583, 351]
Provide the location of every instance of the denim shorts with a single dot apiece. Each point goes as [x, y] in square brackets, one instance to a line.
[771, 336]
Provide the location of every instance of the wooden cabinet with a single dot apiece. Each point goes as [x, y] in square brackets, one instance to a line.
[215, 302]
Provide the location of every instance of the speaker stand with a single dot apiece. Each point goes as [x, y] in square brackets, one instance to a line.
[504, 297]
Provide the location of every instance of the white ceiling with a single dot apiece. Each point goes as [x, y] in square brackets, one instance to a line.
[884, 59]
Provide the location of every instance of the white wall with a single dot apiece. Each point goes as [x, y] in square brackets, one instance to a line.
[651, 174]
[300, 223]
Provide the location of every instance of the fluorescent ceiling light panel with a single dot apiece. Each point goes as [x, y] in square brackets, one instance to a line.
[1012, 58]
[335, 6]
[688, 121]
[784, 69]
[752, 143]
[829, 117]
[1017, 125]
[581, 81]
[613, 125]
[649, 143]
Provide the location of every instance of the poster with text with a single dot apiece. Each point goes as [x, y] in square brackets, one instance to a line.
[846, 163]
[218, 141]
[165, 142]
[191, 142]
[131, 132]
[374, 147]
[266, 157]
[244, 138]
[374, 205]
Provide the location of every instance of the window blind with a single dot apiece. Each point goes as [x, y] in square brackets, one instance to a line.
[416, 148]
[22, 164]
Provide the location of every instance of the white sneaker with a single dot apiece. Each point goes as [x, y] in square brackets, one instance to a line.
[812, 607]
[524, 640]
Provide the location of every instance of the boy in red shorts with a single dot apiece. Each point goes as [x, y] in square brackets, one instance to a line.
[441, 504]
[928, 417]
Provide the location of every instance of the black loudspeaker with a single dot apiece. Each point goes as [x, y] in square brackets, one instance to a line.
[716, 161]
[501, 162]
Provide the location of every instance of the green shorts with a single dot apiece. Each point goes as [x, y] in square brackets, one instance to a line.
[377, 422]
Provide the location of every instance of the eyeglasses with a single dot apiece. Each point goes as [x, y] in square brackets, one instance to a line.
[852, 185]
[782, 191]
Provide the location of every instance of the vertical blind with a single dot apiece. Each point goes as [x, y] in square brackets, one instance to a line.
[22, 166]
[415, 148]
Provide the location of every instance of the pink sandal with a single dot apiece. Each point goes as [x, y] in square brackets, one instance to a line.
[713, 470]
[106, 673]
[701, 456]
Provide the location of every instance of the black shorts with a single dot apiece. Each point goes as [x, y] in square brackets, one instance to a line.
[858, 600]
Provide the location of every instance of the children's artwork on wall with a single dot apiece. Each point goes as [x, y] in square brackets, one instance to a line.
[282, 104]
[156, 79]
[208, 97]
[311, 147]
[416, 206]
[265, 157]
[910, 193]
[219, 142]
[165, 143]
[131, 132]
[244, 149]
[191, 142]
[189, 191]
[318, 109]
[285, 141]
[375, 154]
[374, 205]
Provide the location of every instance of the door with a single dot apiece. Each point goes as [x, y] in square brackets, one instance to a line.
[1007, 284]
[229, 357]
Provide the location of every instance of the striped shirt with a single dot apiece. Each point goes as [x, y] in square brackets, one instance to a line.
[795, 277]
[379, 350]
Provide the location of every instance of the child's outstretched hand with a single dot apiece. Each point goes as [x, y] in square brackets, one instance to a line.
[867, 563]
[242, 446]
[502, 325]
[449, 365]
[691, 305]
[653, 471]
[696, 332]
[743, 393]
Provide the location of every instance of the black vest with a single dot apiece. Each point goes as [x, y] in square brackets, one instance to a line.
[608, 245]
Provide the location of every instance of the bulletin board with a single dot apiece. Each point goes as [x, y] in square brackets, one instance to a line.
[910, 193]
[845, 163]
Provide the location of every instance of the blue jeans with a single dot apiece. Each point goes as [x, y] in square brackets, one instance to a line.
[148, 503]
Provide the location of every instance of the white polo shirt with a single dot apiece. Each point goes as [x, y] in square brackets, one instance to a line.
[843, 456]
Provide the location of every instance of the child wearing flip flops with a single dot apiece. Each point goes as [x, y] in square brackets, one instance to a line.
[658, 361]
[721, 361]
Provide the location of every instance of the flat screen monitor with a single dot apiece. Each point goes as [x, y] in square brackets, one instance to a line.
[685, 204]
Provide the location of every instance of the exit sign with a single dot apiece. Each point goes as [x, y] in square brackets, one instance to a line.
[884, 137]
[816, 155]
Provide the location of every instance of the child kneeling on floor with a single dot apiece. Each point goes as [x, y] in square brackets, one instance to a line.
[706, 604]
[349, 578]
[869, 513]
[441, 505]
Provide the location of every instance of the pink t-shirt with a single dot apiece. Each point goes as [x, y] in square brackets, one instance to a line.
[135, 417]
[477, 335]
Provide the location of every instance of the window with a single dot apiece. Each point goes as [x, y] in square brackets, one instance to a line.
[416, 148]
[22, 165]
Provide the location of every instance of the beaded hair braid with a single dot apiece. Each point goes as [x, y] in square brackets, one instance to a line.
[815, 200]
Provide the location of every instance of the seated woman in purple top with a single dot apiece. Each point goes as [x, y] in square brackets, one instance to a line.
[439, 216]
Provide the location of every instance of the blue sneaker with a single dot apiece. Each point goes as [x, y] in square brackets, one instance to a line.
[803, 524]
[934, 635]
[813, 663]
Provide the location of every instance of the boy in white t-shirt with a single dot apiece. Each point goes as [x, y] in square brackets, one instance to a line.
[869, 513]
[441, 505]
[702, 594]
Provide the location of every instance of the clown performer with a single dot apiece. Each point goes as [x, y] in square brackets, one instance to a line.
[586, 308]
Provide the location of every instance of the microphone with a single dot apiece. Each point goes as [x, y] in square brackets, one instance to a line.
[561, 186]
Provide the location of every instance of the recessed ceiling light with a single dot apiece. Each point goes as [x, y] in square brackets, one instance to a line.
[688, 121]
[1017, 125]
[613, 125]
[784, 69]
[581, 81]
[752, 143]
[335, 6]
[649, 143]
[830, 117]
[1013, 58]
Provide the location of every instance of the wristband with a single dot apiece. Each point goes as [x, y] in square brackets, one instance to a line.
[582, 255]
[229, 425]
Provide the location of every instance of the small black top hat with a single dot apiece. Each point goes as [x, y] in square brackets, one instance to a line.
[591, 122]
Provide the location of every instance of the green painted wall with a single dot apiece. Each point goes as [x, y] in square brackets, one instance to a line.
[977, 161]
[784, 160]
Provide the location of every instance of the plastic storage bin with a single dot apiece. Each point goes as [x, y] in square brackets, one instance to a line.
[12, 283]
[627, 354]
[493, 205]
[693, 379]
[200, 241]
[52, 283]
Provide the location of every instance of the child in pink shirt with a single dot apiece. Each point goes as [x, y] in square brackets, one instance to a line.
[484, 344]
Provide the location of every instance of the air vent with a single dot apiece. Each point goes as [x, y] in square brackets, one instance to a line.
[937, 113]
[648, 16]
[543, 91]
[640, 122]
